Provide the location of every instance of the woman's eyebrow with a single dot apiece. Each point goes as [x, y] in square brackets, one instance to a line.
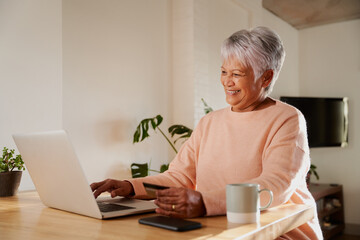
[232, 70]
[236, 69]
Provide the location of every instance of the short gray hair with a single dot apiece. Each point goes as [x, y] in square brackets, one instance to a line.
[259, 48]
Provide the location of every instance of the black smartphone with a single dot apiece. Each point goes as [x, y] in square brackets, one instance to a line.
[174, 224]
[151, 189]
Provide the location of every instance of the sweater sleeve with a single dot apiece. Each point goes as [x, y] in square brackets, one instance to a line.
[286, 161]
[181, 172]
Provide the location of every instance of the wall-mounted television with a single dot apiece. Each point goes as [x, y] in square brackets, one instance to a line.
[326, 119]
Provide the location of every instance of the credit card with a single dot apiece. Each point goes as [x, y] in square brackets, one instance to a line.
[151, 189]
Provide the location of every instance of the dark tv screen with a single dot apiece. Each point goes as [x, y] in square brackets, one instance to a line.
[326, 119]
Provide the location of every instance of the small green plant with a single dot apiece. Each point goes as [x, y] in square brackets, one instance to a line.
[176, 131]
[312, 170]
[8, 161]
[207, 108]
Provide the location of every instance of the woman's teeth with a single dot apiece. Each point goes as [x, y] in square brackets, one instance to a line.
[233, 92]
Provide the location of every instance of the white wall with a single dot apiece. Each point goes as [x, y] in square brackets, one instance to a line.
[330, 67]
[182, 99]
[30, 69]
[215, 20]
[117, 70]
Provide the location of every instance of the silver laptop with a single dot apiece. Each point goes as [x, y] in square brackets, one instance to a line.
[60, 181]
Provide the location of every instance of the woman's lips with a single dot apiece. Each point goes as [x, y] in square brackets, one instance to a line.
[232, 92]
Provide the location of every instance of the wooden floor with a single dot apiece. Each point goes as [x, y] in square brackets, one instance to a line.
[346, 237]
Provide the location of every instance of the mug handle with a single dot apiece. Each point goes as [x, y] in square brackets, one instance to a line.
[270, 201]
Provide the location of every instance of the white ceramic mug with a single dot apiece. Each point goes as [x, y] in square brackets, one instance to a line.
[243, 202]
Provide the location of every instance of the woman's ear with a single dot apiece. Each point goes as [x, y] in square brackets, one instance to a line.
[267, 77]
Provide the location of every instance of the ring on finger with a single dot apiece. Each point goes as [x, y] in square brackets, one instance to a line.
[173, 207]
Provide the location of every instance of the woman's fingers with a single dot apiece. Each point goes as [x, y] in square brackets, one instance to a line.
[164, 206]
[170, 213]
[95, 185]
[180, 202]
[100, 187]
[169, 200]
[115, 187]
[176, 206]
[123, 189]
[169, 192]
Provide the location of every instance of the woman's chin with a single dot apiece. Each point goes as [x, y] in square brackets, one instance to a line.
[231, 101]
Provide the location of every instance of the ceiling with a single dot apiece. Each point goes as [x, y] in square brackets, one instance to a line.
[309, 13]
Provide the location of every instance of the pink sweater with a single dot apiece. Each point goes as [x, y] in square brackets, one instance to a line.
[268, 147]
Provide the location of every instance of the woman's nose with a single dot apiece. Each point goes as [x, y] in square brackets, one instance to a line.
[228, 81]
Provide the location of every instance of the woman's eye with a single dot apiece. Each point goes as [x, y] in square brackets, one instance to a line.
[238, 75]
[223, 72]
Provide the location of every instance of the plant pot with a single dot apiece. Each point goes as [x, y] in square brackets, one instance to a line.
[9, 183]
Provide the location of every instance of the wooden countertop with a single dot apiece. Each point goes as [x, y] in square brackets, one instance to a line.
[25, 217]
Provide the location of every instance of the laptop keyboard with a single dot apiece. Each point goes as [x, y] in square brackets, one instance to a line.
[110, 207]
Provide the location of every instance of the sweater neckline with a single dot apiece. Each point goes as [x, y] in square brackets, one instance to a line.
[251, 113]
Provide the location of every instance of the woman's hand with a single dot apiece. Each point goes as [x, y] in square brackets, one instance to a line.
[180, 202]
[114, 187]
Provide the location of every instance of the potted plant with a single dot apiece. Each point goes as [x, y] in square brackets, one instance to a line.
[311, 171]
[9, 177]
[142, 132]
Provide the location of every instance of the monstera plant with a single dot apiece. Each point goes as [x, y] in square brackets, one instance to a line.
[176, 132]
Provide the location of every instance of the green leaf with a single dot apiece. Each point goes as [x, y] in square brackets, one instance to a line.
[164, 168]
[142, 130]
[207, 108]
[136, 135]
[159, 119]
[139, 170]
[4, 152]
[3, 167]
[316, 175]
[182, 131]
[313, 171]
[153, 123]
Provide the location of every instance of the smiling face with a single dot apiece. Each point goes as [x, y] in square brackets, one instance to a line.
[243, 92]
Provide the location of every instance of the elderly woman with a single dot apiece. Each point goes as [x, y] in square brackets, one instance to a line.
[256, 139]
